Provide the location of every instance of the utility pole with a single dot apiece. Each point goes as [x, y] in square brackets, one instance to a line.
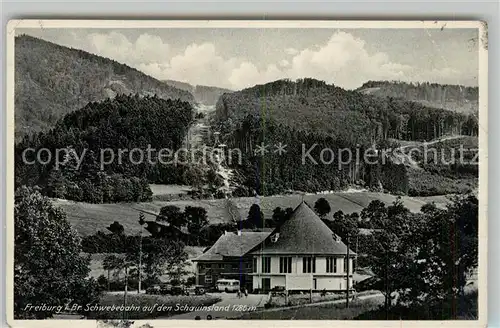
[141, 222]
[140, 263]
[126, 291]
[386, 285]
[347, 274]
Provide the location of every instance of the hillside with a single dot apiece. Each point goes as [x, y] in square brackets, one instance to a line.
[456, 98]
[52, 80]
[88, 218]
[310, 113]
[438, 168]
[206, 95]
[313, 105]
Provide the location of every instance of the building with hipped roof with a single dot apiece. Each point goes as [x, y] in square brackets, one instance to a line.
[302, 253]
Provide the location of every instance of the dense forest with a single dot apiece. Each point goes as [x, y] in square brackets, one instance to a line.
[457, 98]
[309, 112]
[313, 105]
[126, 122]
[203, 94]
[52, 80]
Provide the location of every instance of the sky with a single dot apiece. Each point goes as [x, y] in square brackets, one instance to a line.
[237, 58]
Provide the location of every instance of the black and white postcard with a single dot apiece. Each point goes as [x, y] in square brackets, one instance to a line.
[166, 172]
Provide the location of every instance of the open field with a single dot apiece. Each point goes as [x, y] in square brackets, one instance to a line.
[89, 218]
[163, 192]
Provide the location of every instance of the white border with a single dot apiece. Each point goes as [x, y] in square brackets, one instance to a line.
[430, 24]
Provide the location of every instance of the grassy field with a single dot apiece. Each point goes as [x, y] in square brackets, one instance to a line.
[89, 218]
[335, 311]
[147, 306]
[168, 193]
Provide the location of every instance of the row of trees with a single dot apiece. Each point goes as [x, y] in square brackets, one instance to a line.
[144, 259]
[443, 94]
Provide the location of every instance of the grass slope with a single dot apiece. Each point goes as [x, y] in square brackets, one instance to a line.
[88, 218]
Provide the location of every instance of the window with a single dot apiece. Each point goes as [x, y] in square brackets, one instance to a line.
[254, 264]
[285, 265]
[266, 265]
[331, 265]
[201, 266]
[308, 264]
[208, 279]
[234, 266]
[221, 265]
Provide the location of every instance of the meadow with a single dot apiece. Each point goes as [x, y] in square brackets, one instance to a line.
[89, 218]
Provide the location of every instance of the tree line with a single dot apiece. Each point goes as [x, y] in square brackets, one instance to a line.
[309, 104]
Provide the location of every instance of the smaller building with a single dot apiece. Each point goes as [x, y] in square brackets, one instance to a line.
[228, 258]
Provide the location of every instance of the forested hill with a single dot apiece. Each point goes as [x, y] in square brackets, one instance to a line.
[52, 80]
[95, 133]
[310, 113]
[312, 105]
[457, 98]
[203, 94]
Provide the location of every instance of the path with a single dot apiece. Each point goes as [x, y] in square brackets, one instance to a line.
[198, 131]
[236, 306]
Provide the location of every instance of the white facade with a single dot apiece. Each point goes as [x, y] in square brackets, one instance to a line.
[297, 279]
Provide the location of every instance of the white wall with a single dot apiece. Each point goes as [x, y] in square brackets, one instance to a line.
[297, 280]
[275, 281]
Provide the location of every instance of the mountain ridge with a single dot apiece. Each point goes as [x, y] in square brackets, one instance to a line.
[53, 80]
[453, 97]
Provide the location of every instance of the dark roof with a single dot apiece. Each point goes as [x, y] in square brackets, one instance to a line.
[233, 245]
[303, 233]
